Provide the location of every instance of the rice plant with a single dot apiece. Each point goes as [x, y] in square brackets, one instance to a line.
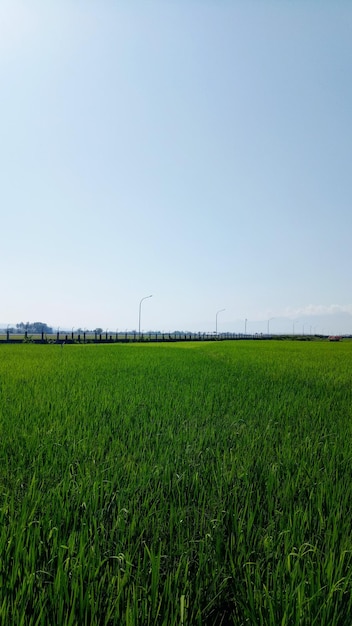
[183, 484]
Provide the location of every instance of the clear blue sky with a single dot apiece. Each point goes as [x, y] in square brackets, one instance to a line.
[196, 150]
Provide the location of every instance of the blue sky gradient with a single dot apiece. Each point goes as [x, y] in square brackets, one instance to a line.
[199, 151]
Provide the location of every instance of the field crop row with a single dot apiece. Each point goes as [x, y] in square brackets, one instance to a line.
[192, 484]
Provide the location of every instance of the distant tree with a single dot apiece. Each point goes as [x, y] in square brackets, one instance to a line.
[40, 327]
[34, 327]
[98, 331]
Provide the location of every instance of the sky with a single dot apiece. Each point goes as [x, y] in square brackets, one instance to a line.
[198, 151]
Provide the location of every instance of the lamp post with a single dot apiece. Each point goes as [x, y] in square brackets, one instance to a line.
[216, 320]
[140, 308]
[245, 326]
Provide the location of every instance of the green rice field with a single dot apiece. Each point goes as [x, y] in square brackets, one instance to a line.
[176, 485]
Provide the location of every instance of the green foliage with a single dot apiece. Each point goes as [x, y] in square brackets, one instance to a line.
[177, 484]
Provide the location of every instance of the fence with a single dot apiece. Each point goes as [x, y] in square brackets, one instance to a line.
[118, 337]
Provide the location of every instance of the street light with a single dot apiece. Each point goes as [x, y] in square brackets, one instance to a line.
[245, 326]
[140, 307]
[216, 320]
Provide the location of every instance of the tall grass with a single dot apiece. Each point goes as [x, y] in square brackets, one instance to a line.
[176, 484]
